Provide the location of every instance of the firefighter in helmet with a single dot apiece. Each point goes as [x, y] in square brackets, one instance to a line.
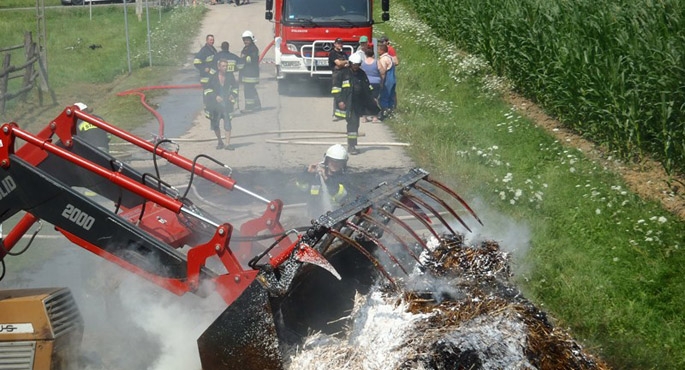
[324, 181]
[249, 72]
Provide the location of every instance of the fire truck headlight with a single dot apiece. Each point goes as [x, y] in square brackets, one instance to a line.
[291, 47]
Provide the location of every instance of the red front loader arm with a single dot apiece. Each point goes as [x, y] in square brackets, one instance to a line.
[150, 221]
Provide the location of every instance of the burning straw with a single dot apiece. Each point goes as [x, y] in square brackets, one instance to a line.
[472, 318]
[481, 275]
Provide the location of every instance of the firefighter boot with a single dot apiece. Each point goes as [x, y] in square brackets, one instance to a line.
[352, 143]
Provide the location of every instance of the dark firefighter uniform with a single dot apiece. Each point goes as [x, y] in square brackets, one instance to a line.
[93, 135]
[249, 76]
[234, 64]
[205, 62]
[353, 88]
[336, 54]
[311, 184]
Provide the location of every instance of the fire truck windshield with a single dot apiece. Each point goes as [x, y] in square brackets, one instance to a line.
[317, 12]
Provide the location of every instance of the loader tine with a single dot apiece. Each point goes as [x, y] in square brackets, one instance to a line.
[442, 203]
[404, 226]
[378, 243]
[418, 217]
[366, 253]
[434, 211]
[393, 233]
[455, 195]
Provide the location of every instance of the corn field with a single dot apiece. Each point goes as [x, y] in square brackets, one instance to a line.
[614, 71]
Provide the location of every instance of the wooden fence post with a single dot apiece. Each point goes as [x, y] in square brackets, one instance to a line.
[29, 51]
[30, 72]
[3, 82]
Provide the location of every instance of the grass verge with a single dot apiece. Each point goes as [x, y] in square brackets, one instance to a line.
[87, 58]
[600, 259]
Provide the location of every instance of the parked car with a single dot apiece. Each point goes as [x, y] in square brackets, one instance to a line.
[81, 2]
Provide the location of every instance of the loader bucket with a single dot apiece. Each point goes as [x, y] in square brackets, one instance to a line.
[254, 331]
[243, 336]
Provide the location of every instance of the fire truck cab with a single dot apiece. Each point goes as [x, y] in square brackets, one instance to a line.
[304, 31]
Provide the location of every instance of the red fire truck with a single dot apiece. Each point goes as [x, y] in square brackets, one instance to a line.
[304, 31]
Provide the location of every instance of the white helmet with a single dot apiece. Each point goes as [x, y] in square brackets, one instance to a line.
[248, 34]
[337, 152]
[356, 58]
[81, 106]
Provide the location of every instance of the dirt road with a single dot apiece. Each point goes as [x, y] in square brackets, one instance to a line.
[301, 121]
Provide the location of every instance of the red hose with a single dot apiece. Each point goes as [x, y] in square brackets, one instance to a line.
[139, 91]
[266, 49]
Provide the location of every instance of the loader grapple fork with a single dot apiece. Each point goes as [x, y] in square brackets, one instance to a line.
[275, 293]
[301, 298]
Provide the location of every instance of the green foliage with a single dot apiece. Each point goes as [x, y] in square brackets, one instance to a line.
[87, 56]
[9, 4]
[611, 70]
[599, 259]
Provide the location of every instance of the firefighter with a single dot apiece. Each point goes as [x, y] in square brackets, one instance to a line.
[337, 60]
[323, 181]
[90, 133]
[204, 59]
[249, 74]
[234, 63]
[205, 63]
[354, 99]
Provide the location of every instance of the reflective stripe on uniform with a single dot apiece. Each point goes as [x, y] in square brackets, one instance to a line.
[250, 80]
[336, 90]
[85, 126]
[340, 113]
[342, 192]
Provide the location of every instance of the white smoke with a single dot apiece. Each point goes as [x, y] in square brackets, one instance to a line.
[175, 322]
[514, 237]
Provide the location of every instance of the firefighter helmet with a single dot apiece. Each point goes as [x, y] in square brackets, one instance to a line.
[248, 34]
[337, 152]
[356, 58]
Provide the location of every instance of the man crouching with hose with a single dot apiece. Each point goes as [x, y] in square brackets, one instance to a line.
[323, 181]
